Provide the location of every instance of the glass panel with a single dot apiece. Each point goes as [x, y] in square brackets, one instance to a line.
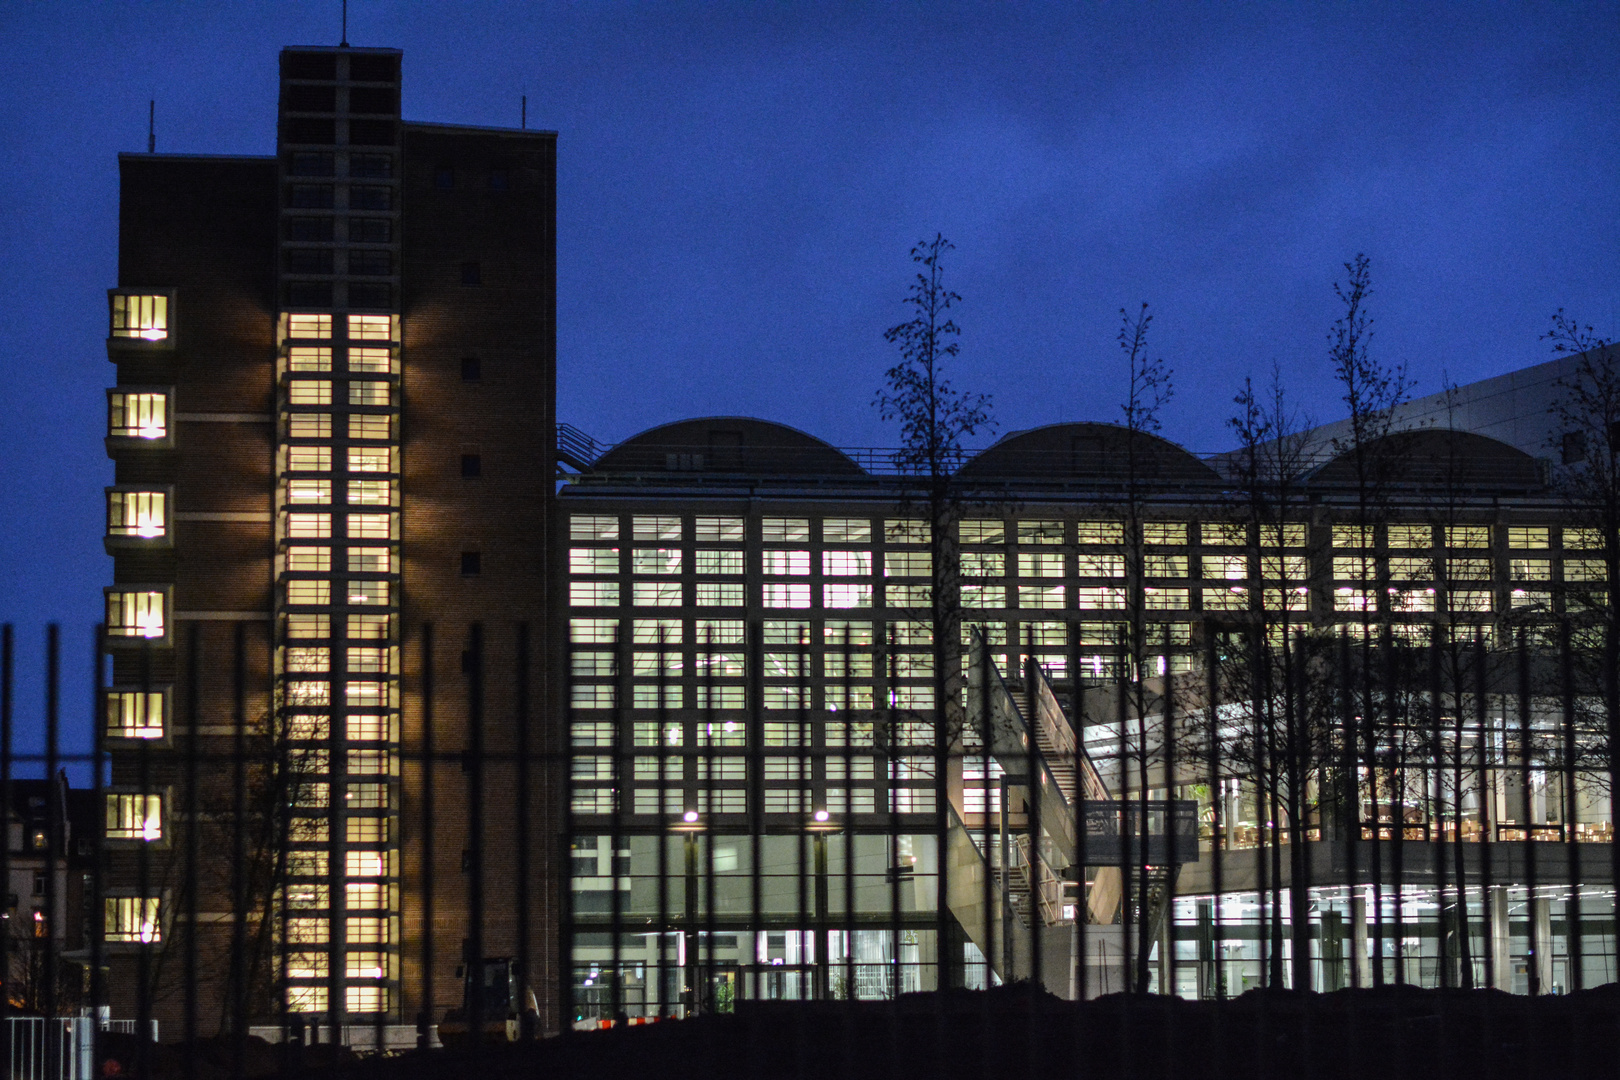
[142, 317]
[137, 415]
[136, 513]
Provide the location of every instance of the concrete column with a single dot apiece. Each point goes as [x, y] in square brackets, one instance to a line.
[1541, 945]
[1496, 920]
[1360, 966]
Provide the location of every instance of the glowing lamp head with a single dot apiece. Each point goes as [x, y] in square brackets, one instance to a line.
[821, 815]
[689, 817]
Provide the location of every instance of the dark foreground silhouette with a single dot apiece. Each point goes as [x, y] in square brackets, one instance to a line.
[1391, 1033]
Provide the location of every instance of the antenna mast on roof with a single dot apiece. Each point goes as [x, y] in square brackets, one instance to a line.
[524, 113]
[151, 126]
[344, 44]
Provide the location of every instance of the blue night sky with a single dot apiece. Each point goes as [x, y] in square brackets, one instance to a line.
[739, 185]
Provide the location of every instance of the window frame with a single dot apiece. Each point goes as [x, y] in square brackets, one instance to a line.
[112, 541]
[126, 344]
[128, 641]
[165, 441]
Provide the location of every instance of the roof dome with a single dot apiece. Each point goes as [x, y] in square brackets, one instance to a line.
[1087, 452]
[1435, 457]
[727, 445]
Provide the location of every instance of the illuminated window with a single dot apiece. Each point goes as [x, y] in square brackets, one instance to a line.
[371, 426]
[719, 562]
[1475, 536]
[1526, 538]
[846, 531]
[656, 560]
[712, 529]
[368, 392]
[142, 415]
[309, 392]
[1046, 596]
[1352, 536]
[1166, 565]
[1100, 598]
[1216, 534]
[720, 593]
[905, 531]
[134, 816]
[655, 593]
[784, 530]
[593, 593]
[368, 627]
[136, 613]
[135, 714]
[908, 595]
[132, 918]
[367, 728]
[309, 526]
[371, 359]
[371, 492]
[370, 560]
[846, 596]
[908, 564]
[309, 459]
[1164, 532]
[984, 596]
[137, 513]
[786, 562]
[145, 318]
[312, 559]
[1231, 567]
[1576, 540]
[367, 592]
[371, 327]
[309, 592]
[594, 560]
[309, 358]
[1531, 569]
[983, 531]
[655, 528]
[306, 659]
[593, 527]
[1295, 567]
[371, 526]
[1050, 564]
[786, 595]
[1585, 570]
[1089, 565]
[309, 626]
[1408, 569]
[1292, 535]
[309, 693]
[318, 327]
[1155, 599]
[309, 426]
[309, 491]
[377, 459]
[846, 563]
[1410, 536]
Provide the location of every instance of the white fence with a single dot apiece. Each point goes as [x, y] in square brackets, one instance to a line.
[57, 1048]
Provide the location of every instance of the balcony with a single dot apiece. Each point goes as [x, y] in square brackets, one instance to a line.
[140, 418]
[139, 321]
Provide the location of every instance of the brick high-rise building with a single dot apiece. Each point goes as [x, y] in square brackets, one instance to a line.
[333, 429]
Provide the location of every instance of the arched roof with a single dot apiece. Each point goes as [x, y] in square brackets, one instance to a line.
[1436, 457]
[1081, 452]
[727, 444]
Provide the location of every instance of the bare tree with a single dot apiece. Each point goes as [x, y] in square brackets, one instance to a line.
[1371, 393]
[934, 419]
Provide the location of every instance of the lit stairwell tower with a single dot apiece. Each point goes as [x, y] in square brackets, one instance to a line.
[338, 524]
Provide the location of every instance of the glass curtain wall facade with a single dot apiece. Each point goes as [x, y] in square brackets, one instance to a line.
[751, 700]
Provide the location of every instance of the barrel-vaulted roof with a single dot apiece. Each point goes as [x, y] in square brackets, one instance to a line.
[727, 444]
[1087, 452]
[1437, 458]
